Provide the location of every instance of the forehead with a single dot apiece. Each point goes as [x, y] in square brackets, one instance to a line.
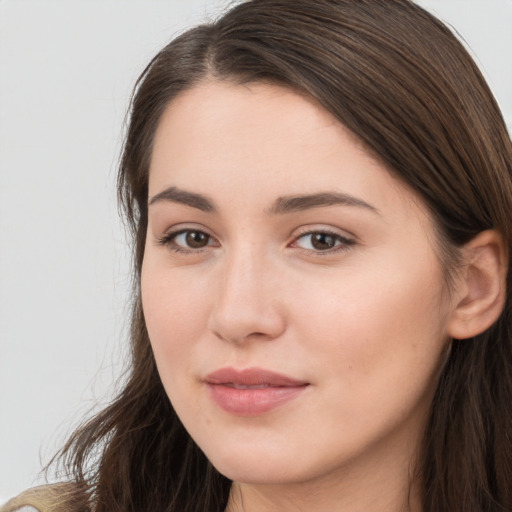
[260, 141]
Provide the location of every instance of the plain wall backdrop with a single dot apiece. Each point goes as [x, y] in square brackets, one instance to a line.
[66, 72]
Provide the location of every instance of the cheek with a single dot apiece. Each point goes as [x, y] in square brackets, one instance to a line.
[381, 331]
[175, 313]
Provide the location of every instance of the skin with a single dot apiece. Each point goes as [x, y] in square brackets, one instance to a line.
[365, 323]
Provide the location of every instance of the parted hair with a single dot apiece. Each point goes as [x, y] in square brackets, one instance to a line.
[406, 87]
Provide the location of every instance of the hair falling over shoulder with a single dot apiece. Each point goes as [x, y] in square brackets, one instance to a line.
[404, 85]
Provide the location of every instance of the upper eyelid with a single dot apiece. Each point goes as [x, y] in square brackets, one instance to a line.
[303, 230]
[179, 231]
[296, 232]
[184, 227]
[309, 229]
[324, 232]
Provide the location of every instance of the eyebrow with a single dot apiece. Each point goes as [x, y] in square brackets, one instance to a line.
[282, 205]
[176, 195]
[289, 204]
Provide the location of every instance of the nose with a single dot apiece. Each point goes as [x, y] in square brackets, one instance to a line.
[247, 302]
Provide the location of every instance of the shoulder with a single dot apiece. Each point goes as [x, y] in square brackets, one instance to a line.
[46, 498]
[24, 509]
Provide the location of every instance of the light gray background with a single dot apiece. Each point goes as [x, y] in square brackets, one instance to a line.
[66, 71]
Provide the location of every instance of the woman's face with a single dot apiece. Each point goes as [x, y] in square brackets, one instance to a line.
[294, 300]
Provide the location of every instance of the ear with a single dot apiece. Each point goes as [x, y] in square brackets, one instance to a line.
[481, 289]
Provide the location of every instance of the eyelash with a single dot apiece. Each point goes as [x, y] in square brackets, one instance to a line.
[168, 241]
[344, 243]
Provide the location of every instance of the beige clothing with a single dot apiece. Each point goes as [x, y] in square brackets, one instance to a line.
[27, 509]
[46, 498]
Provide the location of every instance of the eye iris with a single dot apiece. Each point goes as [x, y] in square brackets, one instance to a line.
[323, 241]
[197, 239]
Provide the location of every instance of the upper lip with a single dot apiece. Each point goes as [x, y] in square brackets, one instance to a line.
[252, 377]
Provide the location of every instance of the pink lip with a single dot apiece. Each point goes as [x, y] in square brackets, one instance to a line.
[252, 391]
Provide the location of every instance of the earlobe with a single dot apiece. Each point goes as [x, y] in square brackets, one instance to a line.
[482, 286]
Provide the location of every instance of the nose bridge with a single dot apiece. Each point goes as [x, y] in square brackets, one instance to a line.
[246, 301]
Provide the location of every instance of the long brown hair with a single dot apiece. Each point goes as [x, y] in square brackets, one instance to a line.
[401, 82]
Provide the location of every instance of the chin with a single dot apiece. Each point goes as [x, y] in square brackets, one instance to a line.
[260, 466]
[257, 474]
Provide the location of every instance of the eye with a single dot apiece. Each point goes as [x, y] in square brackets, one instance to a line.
[322, 241]
[187, 240]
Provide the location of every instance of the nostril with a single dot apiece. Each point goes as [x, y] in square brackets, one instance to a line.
[256, 336]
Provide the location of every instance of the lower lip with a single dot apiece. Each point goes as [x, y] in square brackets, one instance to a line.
[253, 402]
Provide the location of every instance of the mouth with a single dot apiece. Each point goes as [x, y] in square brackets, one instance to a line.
[234, 385]
[252, 391]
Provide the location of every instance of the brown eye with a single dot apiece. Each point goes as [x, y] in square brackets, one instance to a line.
[196, 239]
[187, 240]
[323, 241]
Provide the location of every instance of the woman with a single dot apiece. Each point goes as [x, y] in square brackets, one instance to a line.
[320, 195]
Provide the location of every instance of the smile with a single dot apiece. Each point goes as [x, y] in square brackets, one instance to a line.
[252, 391]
